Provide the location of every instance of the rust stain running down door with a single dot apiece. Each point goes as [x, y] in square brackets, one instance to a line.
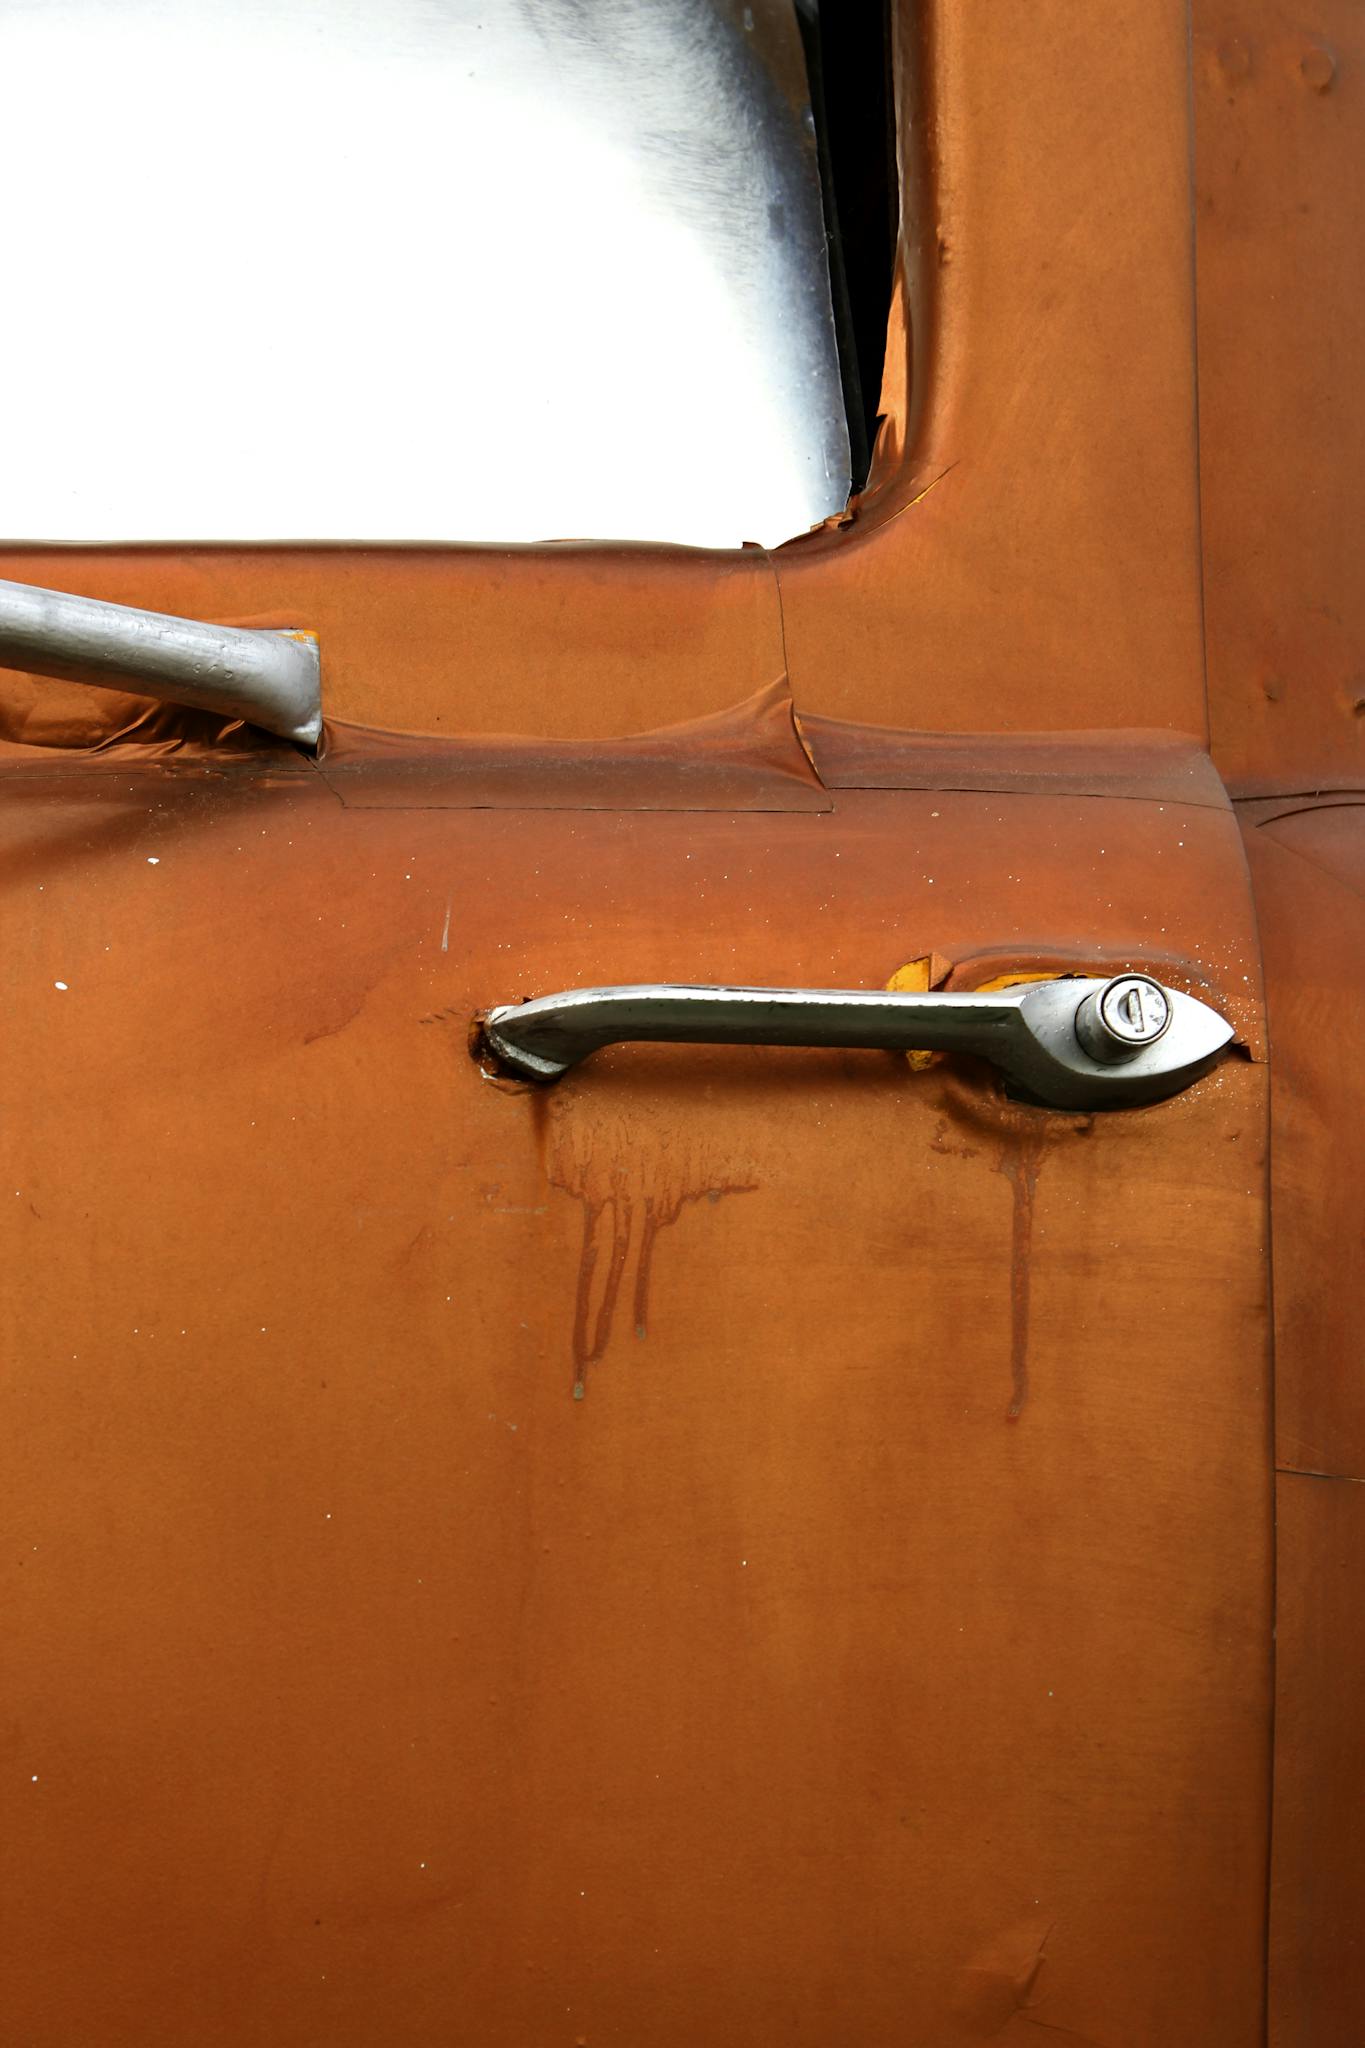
[633, 1179]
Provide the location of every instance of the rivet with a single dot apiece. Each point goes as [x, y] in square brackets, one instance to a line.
[1318, 67]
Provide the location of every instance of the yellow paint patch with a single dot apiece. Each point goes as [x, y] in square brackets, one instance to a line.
[931, 970]
[916, 978]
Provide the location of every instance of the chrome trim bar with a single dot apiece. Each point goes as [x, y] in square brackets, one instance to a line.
[271, 679]
[1028, 1032]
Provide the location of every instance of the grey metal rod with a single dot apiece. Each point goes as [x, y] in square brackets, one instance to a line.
[271, 679]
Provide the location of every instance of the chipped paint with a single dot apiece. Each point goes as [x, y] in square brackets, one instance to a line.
[916, 978]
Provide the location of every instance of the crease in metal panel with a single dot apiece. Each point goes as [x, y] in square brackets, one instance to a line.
[1141, 762]
[748, 758]
[760, 754]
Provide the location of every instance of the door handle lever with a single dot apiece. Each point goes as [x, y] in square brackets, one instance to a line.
[1078, 1043]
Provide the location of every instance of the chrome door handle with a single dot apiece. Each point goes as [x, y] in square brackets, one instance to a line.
[1072, 1044]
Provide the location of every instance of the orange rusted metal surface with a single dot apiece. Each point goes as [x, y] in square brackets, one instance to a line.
[1308, 867]
[885, 1631]
[749, 758]
[1033, 554]
[738, 1542]
[567, 640]
[1280, 131]
[1316, 1974]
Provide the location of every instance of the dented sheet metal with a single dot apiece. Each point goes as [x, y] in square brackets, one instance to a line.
[762, 754]
[745, 759]
[576, 640]
[1162, 766]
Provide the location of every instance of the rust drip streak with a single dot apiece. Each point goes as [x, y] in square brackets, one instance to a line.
[592, 1333]
[632, 1183]
[650, 1225]
[1020, 1165]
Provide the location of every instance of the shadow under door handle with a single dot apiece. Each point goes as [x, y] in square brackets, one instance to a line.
[1071, 1044]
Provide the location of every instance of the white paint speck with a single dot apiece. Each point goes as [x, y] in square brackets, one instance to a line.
[153, 860]
[61, 985]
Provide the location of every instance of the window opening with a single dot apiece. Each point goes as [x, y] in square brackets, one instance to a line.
[425, 270]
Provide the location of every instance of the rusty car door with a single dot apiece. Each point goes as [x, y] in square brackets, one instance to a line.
[737, 1543]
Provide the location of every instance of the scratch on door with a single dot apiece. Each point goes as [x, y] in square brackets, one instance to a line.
[1019, 1163]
